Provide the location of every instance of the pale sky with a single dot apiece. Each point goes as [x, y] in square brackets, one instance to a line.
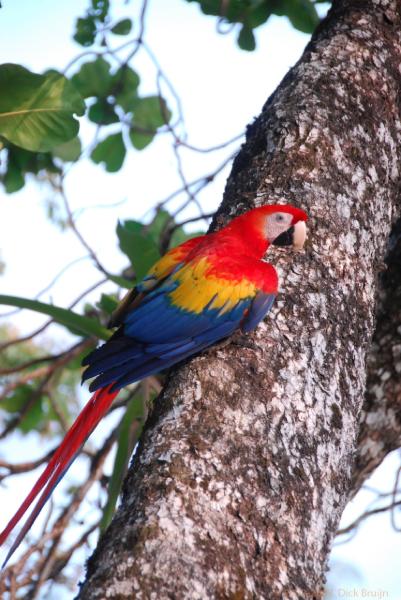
[222, 89]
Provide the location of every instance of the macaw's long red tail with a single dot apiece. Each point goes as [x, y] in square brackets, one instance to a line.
[61, 460]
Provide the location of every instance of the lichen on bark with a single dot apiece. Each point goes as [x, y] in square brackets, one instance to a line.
[247, 459]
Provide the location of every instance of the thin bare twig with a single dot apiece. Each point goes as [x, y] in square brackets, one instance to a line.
[59, 413]
[80, 211]
[41, 388]
[25, 467]
[171, 226]
[368, 513]
[394, 503]
[139, 39]
[63, 557]
[35, 361]
[47, 561]
[70, 217]
[25, 338]
[47, 287]
[220, 146]
[160, 75]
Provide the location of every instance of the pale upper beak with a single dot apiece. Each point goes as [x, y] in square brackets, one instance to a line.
[299, 236]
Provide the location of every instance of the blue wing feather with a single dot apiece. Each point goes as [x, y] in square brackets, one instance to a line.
[260, 306]
[157, 333]
[169, 359]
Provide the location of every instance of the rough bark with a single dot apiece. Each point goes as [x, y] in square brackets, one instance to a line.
[246, 462]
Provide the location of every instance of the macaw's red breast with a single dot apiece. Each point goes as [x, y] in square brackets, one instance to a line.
[242, 270]
[216, 282]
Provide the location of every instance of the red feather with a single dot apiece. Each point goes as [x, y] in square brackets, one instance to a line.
[59, 463]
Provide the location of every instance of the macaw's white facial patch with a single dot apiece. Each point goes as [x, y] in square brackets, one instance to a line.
[276, 224]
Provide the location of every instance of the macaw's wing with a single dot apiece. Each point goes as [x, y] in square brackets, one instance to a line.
[260, 306]
[187, 312]
[160, 270]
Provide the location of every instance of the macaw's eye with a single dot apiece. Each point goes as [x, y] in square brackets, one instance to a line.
[279, 218]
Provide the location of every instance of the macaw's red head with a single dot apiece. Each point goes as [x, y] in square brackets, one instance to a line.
[278, 224]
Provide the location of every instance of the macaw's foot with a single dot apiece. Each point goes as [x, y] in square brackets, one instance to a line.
[237, 339]
[243, 341]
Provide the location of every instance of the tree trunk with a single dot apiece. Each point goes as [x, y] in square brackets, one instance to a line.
[247, 460]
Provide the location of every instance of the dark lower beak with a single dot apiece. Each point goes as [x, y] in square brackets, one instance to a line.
[286, 238]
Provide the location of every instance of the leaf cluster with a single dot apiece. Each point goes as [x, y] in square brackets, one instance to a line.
[96, 22]
[113, 99]
[38, 124]
[250, 14]
[38, 129]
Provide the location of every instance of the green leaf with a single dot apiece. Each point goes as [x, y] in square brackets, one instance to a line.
[150, 113]
[138, 245]
[93, 78]
[304, 17]
[110, 151]
[157, 226]
[124, 87]
[36, 111]
[258, 14]
[127, 438]
[249, 12]
[76, 363]
[107, 303]
[139, 139]
[20, 161]
[13, 178]
[253, 13]
[69, 151]
[83, 325]
[16, 402]
[100, 8]
[209, 7]
[234, 11]
[33, 416]
[122, 27]
[34, 162]
[102, 112]
[301, 13]
[246, 39]
[121, 281]
[86, 27]
[85, 31]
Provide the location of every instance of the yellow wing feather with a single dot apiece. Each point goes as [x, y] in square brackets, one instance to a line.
[160, 270]
[198, 288]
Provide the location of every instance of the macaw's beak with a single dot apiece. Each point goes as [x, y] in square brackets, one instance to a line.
[294, 236]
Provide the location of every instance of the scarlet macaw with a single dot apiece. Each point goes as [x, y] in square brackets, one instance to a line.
[195, 295]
